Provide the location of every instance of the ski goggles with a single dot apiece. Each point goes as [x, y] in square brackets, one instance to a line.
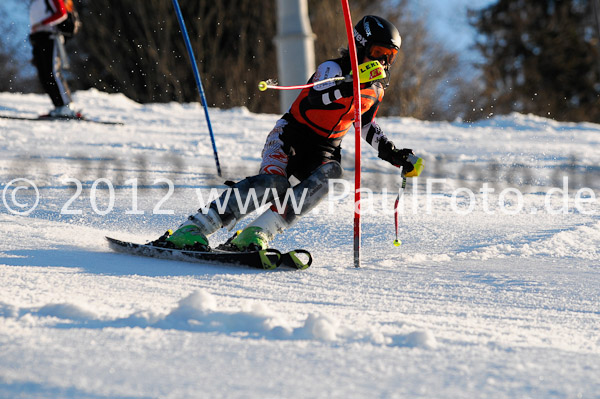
[386, 55]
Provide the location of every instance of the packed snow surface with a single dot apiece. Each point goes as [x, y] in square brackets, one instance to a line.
[493, 293]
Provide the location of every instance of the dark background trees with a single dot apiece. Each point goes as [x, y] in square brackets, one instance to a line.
[11, 64]
[541, 57]
[135, 47]
[9, 68]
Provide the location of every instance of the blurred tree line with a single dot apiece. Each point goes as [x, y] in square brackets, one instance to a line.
[539, 56]
[138, 50]
[11, 65]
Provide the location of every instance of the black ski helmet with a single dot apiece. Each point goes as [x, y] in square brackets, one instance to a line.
[375, 30]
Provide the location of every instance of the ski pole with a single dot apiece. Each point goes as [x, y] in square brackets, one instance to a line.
[264, 85]
[397, 242]
[190, 51]
[370, 71]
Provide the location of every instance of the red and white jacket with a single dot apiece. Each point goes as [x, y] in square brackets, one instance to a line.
[45, 14]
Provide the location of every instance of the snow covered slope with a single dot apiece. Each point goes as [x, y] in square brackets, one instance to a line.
[492, 294]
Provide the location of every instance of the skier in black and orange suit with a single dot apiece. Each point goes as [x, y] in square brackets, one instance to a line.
[305, 143]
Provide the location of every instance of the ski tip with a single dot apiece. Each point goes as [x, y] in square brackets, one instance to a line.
[301, 259]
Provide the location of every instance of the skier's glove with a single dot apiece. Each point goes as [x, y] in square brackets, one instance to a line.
[412, 166]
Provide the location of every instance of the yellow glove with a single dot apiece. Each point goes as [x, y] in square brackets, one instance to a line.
[418, 166]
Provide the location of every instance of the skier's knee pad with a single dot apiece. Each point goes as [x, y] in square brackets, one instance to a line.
[330, 170]
[239, 200]
[312, 190]
[325, 172]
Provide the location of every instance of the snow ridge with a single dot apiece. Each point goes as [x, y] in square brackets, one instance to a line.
[198, 312]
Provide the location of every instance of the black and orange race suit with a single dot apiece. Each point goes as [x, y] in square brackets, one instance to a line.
[320, 117]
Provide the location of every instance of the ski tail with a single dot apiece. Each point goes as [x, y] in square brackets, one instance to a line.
[51, 118]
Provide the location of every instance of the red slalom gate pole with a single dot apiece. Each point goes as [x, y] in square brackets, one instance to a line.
[357, 125]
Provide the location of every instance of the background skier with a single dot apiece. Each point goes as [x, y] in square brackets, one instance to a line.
[51, 21]
[305, 143]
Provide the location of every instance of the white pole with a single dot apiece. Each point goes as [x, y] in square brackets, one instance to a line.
[295, 48]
